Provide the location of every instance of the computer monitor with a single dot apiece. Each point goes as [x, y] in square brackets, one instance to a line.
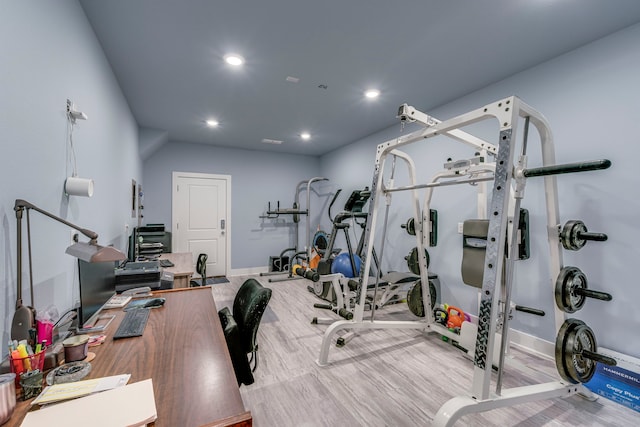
[97, 286]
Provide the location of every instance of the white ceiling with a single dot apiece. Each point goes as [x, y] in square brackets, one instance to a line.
[167, 57]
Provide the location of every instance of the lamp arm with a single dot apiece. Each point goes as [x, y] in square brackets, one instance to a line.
[24, 317]
[21, 204]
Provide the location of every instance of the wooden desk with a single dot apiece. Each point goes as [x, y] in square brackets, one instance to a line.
[182, 269]
[184, 351]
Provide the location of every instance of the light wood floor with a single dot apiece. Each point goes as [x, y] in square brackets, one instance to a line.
[383, 378]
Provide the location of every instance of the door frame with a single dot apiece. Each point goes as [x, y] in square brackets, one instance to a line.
[227, 235]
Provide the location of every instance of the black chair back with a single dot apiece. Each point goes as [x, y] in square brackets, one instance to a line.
[248, 307]
[201, 269]
[241, 327]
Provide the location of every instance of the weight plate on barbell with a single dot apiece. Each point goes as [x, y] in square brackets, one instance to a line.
[412, 260]
[573, 338]
[567, 327]
[570, 235]
[410, 226]
[414, 298]
[569, 280]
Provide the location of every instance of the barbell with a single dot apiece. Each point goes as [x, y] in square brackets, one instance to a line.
[576, 352]
[571, 290]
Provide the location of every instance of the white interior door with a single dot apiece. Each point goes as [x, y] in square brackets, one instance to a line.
[201, 218]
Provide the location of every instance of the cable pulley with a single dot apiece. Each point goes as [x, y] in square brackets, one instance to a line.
[571, 290]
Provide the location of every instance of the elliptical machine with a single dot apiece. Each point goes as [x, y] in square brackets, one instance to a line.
[352, 211]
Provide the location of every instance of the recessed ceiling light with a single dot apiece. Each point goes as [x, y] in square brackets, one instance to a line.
[305, 136]
[233, 59]
[372, 93]
[212, 123]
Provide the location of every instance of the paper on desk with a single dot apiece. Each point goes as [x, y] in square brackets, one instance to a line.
[129, 406]
[58, 392]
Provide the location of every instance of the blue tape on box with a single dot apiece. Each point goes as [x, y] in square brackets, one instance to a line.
[618, 383]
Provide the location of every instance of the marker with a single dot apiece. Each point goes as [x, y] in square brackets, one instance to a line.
[22, 351]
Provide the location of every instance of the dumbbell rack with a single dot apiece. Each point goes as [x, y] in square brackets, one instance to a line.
[509, 181]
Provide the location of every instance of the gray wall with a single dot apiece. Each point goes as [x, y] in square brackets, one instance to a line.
[256, 178]
[49, 53]
[590, 97]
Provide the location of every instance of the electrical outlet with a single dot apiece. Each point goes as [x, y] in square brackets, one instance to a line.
[460, 228]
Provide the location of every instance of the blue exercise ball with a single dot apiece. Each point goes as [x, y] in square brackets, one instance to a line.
[341, 264]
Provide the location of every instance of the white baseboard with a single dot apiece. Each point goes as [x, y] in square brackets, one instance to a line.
[531, 343]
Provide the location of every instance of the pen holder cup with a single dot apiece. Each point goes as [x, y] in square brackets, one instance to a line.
[31, 383]
[26, 364]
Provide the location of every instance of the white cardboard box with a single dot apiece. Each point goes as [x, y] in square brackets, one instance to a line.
[619, 383]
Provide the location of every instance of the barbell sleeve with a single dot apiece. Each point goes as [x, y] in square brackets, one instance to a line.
[311, 275]
[603, 296]
[599, 357]
[530, 310]
[343, 312]
[567, 168]
[323, 306]
[595, 237]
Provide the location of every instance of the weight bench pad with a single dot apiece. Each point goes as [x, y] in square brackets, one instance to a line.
[474, 235]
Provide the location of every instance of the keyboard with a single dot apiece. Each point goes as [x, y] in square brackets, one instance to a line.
[133, 323]
[166, 263]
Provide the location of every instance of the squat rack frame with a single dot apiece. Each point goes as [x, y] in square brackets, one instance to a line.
[296, 212]
[509, 182]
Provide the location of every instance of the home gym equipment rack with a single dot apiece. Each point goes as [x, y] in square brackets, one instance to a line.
[575, 345]
[296, 212]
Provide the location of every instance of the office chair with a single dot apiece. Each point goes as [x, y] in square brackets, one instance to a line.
[241, 327]
[201, 268]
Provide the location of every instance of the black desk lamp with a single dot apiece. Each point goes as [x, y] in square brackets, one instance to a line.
[24, 317]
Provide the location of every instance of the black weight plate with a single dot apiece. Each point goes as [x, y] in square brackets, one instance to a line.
[412, 260]
[414, 298]
[561, 340]
[411, 227]
[580, 368]
[570, 279]
[570, 235]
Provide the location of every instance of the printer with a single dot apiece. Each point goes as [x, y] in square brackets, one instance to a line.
[143, 273]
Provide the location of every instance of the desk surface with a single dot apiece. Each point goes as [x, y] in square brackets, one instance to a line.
[182, 263]
[182, 268]
[183, 349]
